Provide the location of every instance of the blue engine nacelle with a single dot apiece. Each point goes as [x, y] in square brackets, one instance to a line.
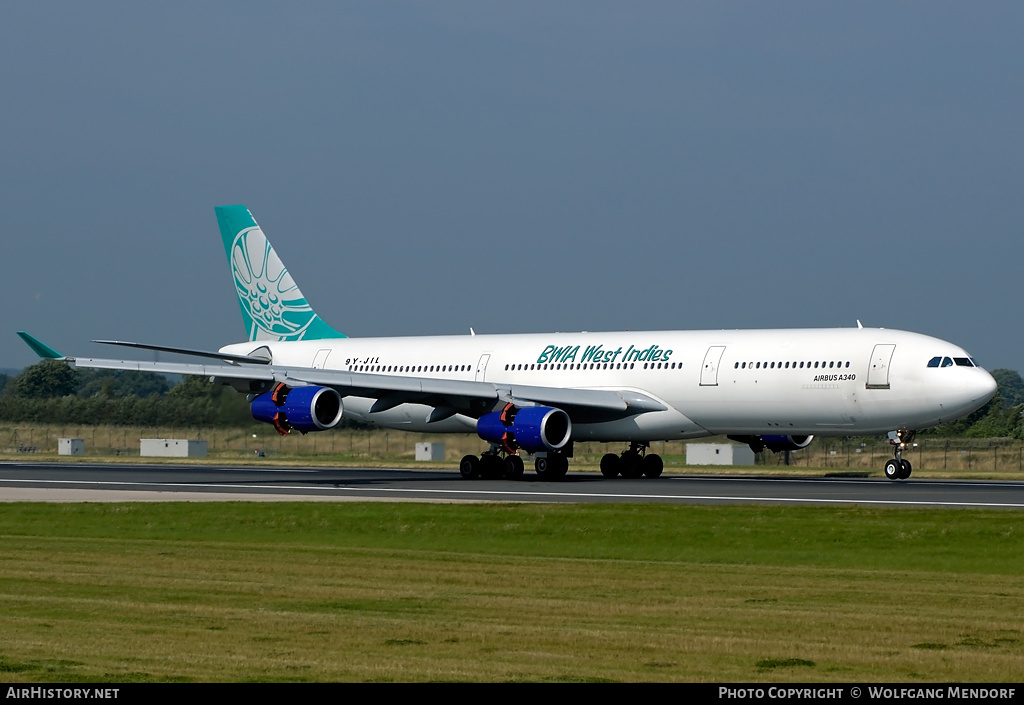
[775, 444]
[304, 409]
[532, 428]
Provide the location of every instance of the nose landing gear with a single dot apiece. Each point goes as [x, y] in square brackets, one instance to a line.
[898, 468]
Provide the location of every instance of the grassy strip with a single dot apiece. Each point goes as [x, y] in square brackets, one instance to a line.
[507, 592]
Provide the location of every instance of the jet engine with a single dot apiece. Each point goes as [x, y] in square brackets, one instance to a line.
[303, 409]
[775, 444]
[531, 428]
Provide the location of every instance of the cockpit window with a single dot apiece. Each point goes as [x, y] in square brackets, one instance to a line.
[950, 361]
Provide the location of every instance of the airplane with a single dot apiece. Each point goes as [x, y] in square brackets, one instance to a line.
[540, 393]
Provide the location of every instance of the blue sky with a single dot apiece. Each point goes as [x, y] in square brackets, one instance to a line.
[516, 167]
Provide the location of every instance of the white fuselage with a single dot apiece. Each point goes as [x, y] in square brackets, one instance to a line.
[843, 381]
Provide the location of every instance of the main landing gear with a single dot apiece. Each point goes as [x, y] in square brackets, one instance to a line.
[898, 468]
[633, 463]
[493, 464]
[498, 464]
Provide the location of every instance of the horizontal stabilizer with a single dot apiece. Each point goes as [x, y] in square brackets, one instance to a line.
[252, 359]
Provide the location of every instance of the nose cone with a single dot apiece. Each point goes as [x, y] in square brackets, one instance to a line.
[965, 393]
[986, 385]
[974, 391]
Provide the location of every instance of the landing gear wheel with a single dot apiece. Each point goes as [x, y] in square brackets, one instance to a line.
[610, 465]
[652, 465]
[542, 465]
[469, 467]
[513, 467]
[631, 465]
[558, 467]
[491, 466]
[893, 469]
[906, 469]
[551, 467]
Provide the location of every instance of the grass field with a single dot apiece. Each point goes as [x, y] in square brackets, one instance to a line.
[418, 592]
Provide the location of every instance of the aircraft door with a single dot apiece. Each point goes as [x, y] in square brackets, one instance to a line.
[481, 367]
[709, 372]
[878, 372]
[321, 358]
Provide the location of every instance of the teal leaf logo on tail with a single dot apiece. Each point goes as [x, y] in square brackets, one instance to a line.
[272, 304]
[273, 307]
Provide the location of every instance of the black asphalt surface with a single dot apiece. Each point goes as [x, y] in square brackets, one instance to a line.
[41, 481]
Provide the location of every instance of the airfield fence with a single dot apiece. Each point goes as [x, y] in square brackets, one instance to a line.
[383, 446]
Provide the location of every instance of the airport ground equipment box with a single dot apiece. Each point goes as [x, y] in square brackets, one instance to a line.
[171, 448]
[70, 446]
[718, 454]
[430, 451]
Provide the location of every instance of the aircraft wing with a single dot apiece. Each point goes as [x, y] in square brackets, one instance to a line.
[447, 396]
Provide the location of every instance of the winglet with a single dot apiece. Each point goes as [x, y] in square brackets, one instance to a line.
[40, 348]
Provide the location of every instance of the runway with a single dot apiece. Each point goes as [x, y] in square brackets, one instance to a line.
[20, 481]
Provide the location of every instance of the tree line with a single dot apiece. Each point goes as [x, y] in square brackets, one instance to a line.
[52, 392]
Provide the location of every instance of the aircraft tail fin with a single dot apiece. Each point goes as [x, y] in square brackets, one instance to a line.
[273, 307]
